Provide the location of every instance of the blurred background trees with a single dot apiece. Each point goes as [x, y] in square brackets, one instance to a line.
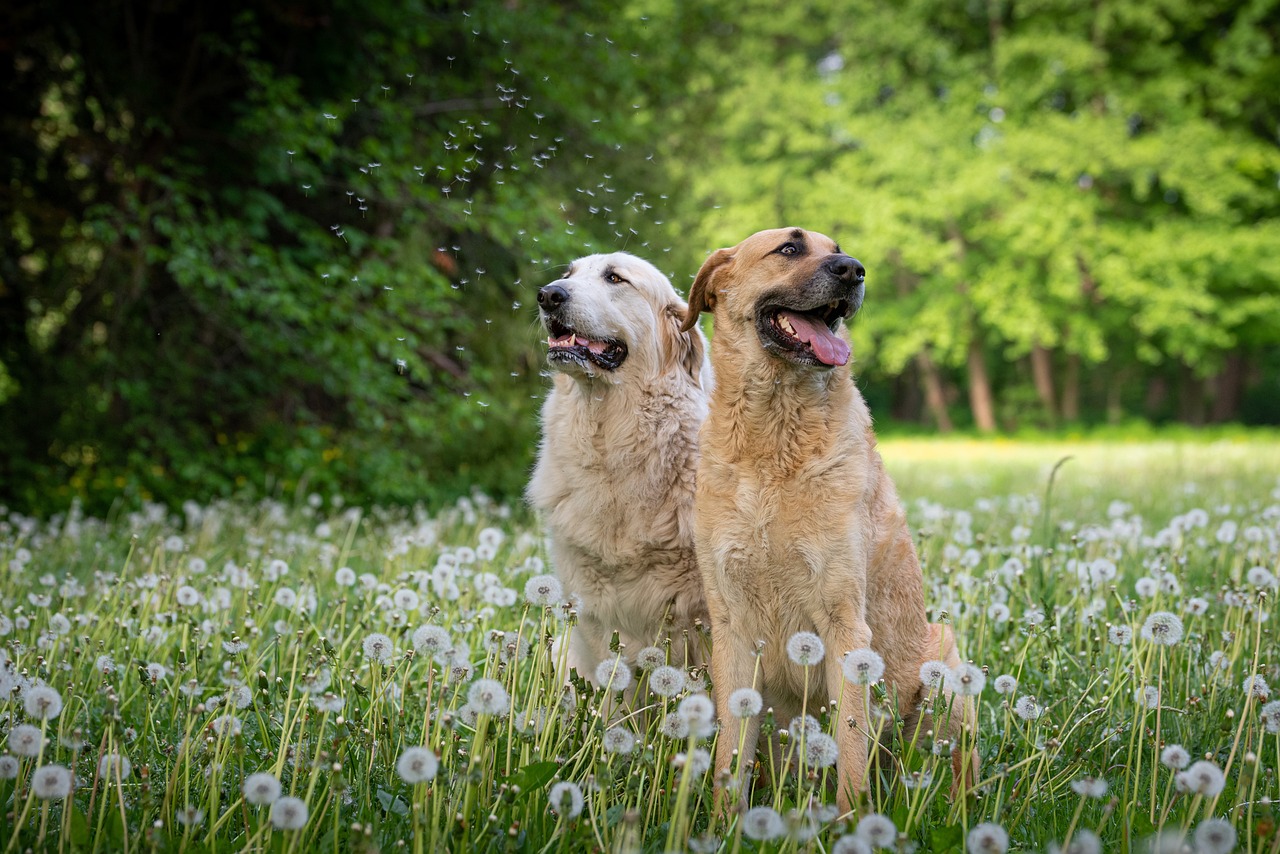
[292, 246]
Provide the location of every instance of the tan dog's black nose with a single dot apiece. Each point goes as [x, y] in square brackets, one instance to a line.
[552, 297]
[846, 269]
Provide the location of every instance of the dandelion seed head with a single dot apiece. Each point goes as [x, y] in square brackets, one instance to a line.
[261, 788]
[805, 648]
[289, 813]
[417, 765]
[762, 824]
[745, 703]
[566, 799]
[1203, 778]
[113, 765]
[933, 674]
[42, 703]
[1147, 696]
[1027, 708]
[1006, 684]
[26, 740]
[650, 658]
[1090, 787]
[675, 726]
[1270, 714]
[862, 666]
[821, 750]
[1215, 836]
[189, 816]
[8, 767]
[1120, 635]
[543, 591]
[988, 838]
[1175, 756]
[378, 647]
[966, 680]
[850, 844]
[489, 697]
[1163, 628]
[667, 681]
[51, 782]
[877, 830]
[1257, 686]
[613, 674]
[430, 640]
[618, 740]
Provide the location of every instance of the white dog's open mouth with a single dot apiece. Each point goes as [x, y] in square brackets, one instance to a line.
[565, 344]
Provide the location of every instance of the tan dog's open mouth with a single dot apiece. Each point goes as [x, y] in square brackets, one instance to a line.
[806, 335]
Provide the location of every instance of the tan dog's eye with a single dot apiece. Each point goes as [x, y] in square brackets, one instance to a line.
[788, 249]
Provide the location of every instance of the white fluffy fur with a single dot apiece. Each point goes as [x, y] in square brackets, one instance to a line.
[614, 481]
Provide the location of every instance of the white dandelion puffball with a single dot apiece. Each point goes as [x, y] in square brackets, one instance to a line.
[613, 674]
[1090, 787]
[650, 658]
[1120, 635]
[1258, 687]
[51, 782]
[566, 800]
[489, 697]
[863, 666]
[1148, 696]
[666, 681]
[1215, 836]
[762, 824]
[745, 703]
[967, 680]
[431, 640]
[1006, 684]
[850, 844]
[697, 708]
[933, 674]
[112, 765]
[378, 647]
[877, 830]
[417, 765]
[289, 813]
[9, 767]
[805, 648]
[543, 591]
[26, 740]
[988, 838]
[619, 741]
[42, 703]
[1027, 708]
[1175, 756]
[1163, 628]
[821, 750]
[1203, 778]
[261, 788]
[1270, 714]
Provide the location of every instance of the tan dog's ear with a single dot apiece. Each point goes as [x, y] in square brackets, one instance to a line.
[683, 343]
[702, 296]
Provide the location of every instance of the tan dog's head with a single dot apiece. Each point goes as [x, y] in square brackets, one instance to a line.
[793, 286]
[617, 314]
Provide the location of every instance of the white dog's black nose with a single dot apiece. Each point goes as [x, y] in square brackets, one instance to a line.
[845, 268]
[552, 297]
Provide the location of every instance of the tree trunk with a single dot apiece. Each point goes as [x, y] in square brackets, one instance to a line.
[1071, 389]
[1157, 394]
[1227, 385]
[1042, 373]
[980, 398]
[934, 399]
[1190, 397]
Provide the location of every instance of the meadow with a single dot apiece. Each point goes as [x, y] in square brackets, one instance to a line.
[303, 675]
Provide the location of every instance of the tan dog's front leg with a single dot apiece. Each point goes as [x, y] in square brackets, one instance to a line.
[732, 667]
[848, 631]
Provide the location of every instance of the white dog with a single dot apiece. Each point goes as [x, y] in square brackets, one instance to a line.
[614, 481]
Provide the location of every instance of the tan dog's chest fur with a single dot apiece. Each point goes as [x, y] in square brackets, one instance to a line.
[798, 526]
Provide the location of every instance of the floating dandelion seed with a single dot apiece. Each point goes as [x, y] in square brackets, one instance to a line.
[863, 666]
[805, 648]
[762, 824]
[988, 838]
[261, 788]
[566, 800]
[1163, 628]
[745, 703]
[289, 813]
[417, 765]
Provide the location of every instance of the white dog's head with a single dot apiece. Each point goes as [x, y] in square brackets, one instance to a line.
[618, 314]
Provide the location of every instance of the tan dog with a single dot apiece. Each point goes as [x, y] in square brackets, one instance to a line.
[798, 526]
[615, 475]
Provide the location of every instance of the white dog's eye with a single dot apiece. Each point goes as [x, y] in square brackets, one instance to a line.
[613, 278]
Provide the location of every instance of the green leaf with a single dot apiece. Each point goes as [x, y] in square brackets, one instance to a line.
[534, 776]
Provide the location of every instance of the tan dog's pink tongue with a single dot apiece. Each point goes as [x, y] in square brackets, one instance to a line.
[829, 349]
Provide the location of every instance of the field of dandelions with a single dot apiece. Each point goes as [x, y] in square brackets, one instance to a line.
[310, 676]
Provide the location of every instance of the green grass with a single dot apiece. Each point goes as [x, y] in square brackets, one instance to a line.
[222, 665]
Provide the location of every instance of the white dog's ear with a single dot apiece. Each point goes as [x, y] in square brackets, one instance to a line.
[682, 341]
[702, 296]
